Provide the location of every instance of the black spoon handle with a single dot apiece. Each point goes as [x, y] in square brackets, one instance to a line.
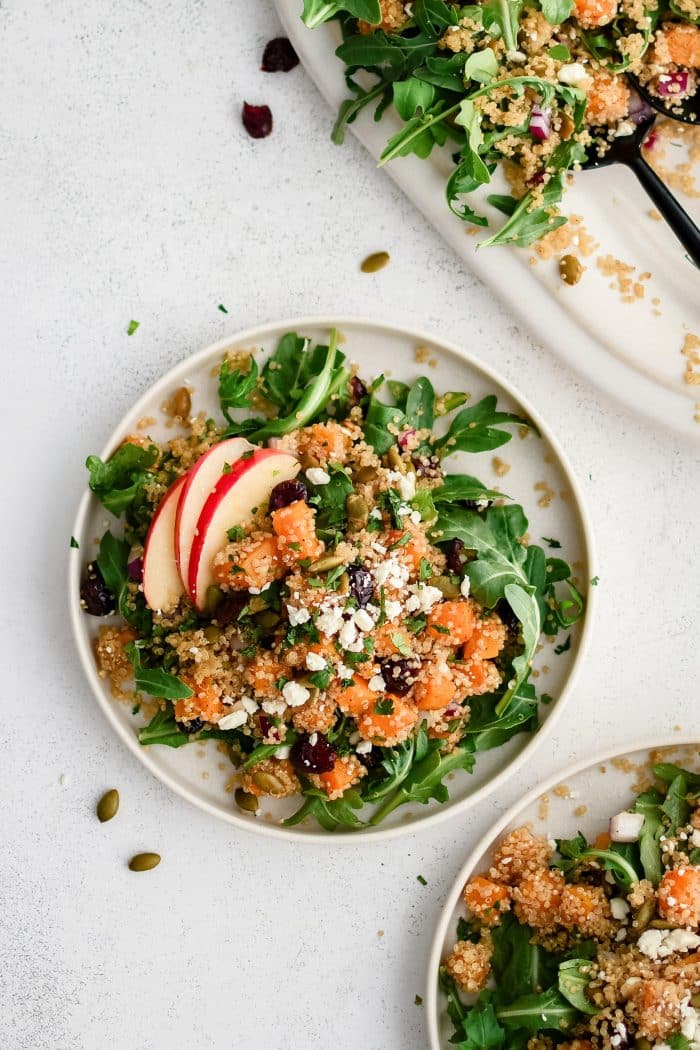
[677, 217]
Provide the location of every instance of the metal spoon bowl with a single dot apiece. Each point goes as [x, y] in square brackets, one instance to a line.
[686, 109]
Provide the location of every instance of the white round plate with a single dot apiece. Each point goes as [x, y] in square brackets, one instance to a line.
[604, 784]
[377, 348]
[632, 350]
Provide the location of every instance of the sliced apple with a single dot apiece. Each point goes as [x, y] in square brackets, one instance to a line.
[200, 482]
[162, 585]
[233, 502]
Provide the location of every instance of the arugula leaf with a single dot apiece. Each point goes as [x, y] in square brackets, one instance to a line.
[316, 12]
[350, 109]
[419, 134]
[487, 729]
[480, 1028]
[155, 680]
[501, 19]
[524, 605]
[235, 386]
[546, 1011]
[330, 815]
[519, 966]
[420, 405]
[412, 97]
[675, 805]
[117, 482]
[556, 11]
[267, 750]
[395, 767]
[462, 488]
[425, 779]
[330, 501]
[164, 730]
[474, 429]
[378, 421]
[481, 66]
[667, 772]
[574, 978]
[532, 217]
[576, 850]
[649, 805]
[112, 561]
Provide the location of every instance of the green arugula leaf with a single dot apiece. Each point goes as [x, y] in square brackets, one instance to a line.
[474, 429]
[330, 815]
[546, 1011]
[155, 680]
[412, 97]
[462, 488]
[425, 780]
[532, 217]
[316, 12]
[119, 481]
[236, 386]
[649, 805]
[556, 11]
[481, 66]
[574, 978]
[163, 730]
[112, 561]
[420, 405]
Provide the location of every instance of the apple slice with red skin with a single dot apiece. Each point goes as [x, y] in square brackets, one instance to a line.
[162, 585]
[233, 502]
[200, 482]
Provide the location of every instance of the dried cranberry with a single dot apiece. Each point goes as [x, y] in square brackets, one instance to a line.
[257, 120]
[453, 549]
[279, 56]
[316, 757]
[95, 595]
[372, 759]
[358, 390]
[193, 726]
[361, 585]
[264, 724]
[135, 569]
[287, 492]
[399, 674]
[230, 606]
[508, 617]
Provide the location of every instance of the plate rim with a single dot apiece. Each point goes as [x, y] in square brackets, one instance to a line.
[643, 398]
[256, 334]
[488, 838]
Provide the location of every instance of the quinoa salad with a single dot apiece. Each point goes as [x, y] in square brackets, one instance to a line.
[303, 581]
[578, 945]
[532, 87]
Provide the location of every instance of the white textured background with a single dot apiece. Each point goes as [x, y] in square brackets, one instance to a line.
[128, 189]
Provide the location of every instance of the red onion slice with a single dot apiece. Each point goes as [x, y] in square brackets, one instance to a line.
[540, 123]
[673, 85]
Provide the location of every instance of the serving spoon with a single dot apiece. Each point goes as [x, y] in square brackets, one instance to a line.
[627, 150]
[677, 107]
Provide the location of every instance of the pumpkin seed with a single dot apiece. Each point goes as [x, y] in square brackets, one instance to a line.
[329, 561]
[212, 598]
[245, 801]
[662, 924]
[344, 583]
[144, 861]
[181, 403]
[641, 1043]
[268, 782]
[445, 585]
[366, 475]
[212, 633]
[108, 805]
[357, 511]
[267, 619]
[395, 461]
[257, 604]
[644, 915]
[375, 261]
[570, 269]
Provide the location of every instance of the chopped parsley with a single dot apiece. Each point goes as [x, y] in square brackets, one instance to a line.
[235, 533]
[385, 706]
[222, 308]
[423, 881]
[564, 647]
[74, 543]
[133, 325]
[595, 581]
[554, 544]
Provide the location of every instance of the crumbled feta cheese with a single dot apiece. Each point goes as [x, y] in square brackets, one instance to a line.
[295, 694]
[619, 908]
[250, 706]
[658, 944]
[574, 74]
[690, 1024]
[695, 838]
[329, 622]
[391, 572]
[364, 747]
[376, 514]
[315, 662]
[297, 616]
[283, 752]
[415, 517]
[393, 610]
[347, 635]
[377, 683]
[624, 128]
[344, 672]
[274, 707]
[363, 620]
[237, 718]
[464, 587]
[516, 57]
[423, 598]
[379, 548]
[318, 476]
[407, 486]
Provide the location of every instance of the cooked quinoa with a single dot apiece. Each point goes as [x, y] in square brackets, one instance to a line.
[331, 636]
[583, 945]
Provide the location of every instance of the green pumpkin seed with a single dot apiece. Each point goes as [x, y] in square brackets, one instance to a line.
[268, 782]
[447, 587]
[108, 805]
[357, 511]
[395, 461]
[329, 561]
[641, 1043]
[267, 619]
[257, 604]
[245, 801]
[144, 861]
[644, 915]
[212, 633]
[366, 475]
[375, 261]
[212, 599]
[570, 269]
